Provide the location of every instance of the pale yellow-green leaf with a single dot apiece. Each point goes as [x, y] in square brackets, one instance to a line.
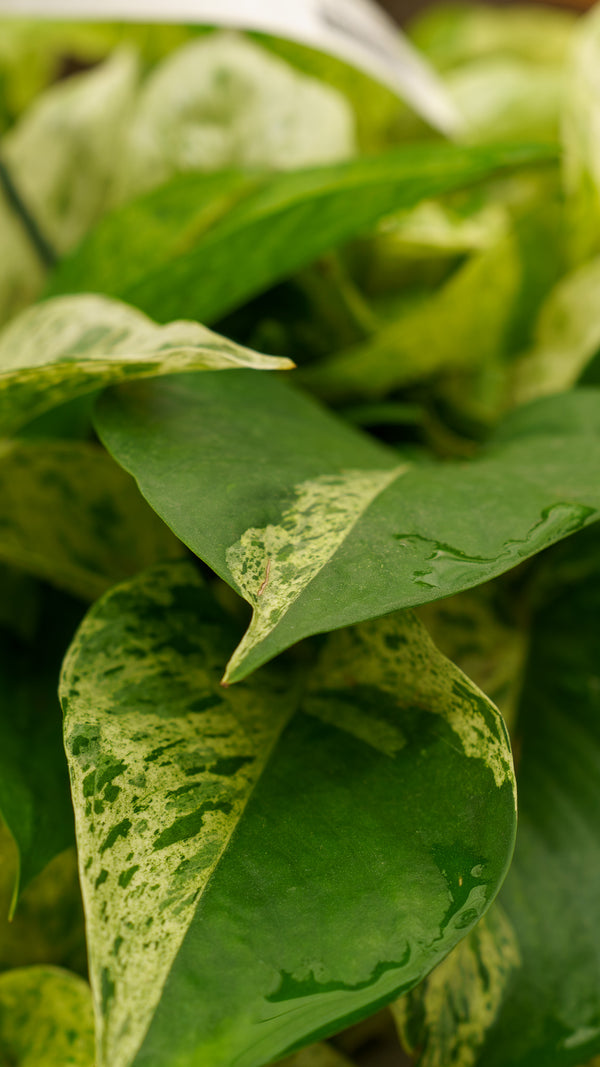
[46, 1019]
[61, 157]
[71, 516]
[71, 345]
[272, 566]
[224, 101]
[63, 152]
[143, 871]
[461, 998]
[581, 138]
[504, 98]
[461, 327]
[567, 337]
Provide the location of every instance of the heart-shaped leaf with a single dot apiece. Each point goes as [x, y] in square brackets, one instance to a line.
[69, 346]
[262, 864]
[318, 526]
[268, 226]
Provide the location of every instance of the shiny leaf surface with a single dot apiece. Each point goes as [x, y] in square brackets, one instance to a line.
[230, 917]
[318, 526]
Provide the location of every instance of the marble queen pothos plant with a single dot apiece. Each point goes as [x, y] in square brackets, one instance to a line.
[299, 490]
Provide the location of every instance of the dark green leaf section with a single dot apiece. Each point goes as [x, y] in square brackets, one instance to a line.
[262, 864]
[319, 527]
[46, 1019]
[34, 787]
[524, 990]
[236, 239]
[69, 515]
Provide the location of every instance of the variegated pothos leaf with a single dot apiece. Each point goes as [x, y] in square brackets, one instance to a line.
[70, 516]
[46, 1019]
[200, 864]
[68, 346]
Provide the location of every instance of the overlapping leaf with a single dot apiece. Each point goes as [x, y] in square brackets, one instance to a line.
[524, 987]
[463, 325]
[261, 864]
[318, 526]
[567, 337]
[70, 516]
[66, 347]
[278, 225]
[46, 1019]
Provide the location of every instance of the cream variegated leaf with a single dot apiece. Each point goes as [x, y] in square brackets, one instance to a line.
[46, 1019]
[70, 516]
[212, 888]
[272, 566]
[461, 999]
[159, 783]
[378, 647]
[69, 346]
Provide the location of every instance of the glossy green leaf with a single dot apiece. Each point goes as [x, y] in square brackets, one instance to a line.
[34, 788]
[567, 337]
[230, 917]
[279, 225]
[242, 107]
[580, 137]
[318, 526]
[46, 1019]
[69, 515]
[69, 346]
[525, 991]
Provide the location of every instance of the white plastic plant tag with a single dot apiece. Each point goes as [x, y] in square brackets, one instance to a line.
[357, 31]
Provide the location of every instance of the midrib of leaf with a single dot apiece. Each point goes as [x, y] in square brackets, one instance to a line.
[273, 565]
[130, 965]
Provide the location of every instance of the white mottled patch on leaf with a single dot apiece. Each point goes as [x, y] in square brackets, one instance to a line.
[273, 565]
[395, 655]
[71, 345]
[46, 1018]
[462, 997]
[162, 764]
